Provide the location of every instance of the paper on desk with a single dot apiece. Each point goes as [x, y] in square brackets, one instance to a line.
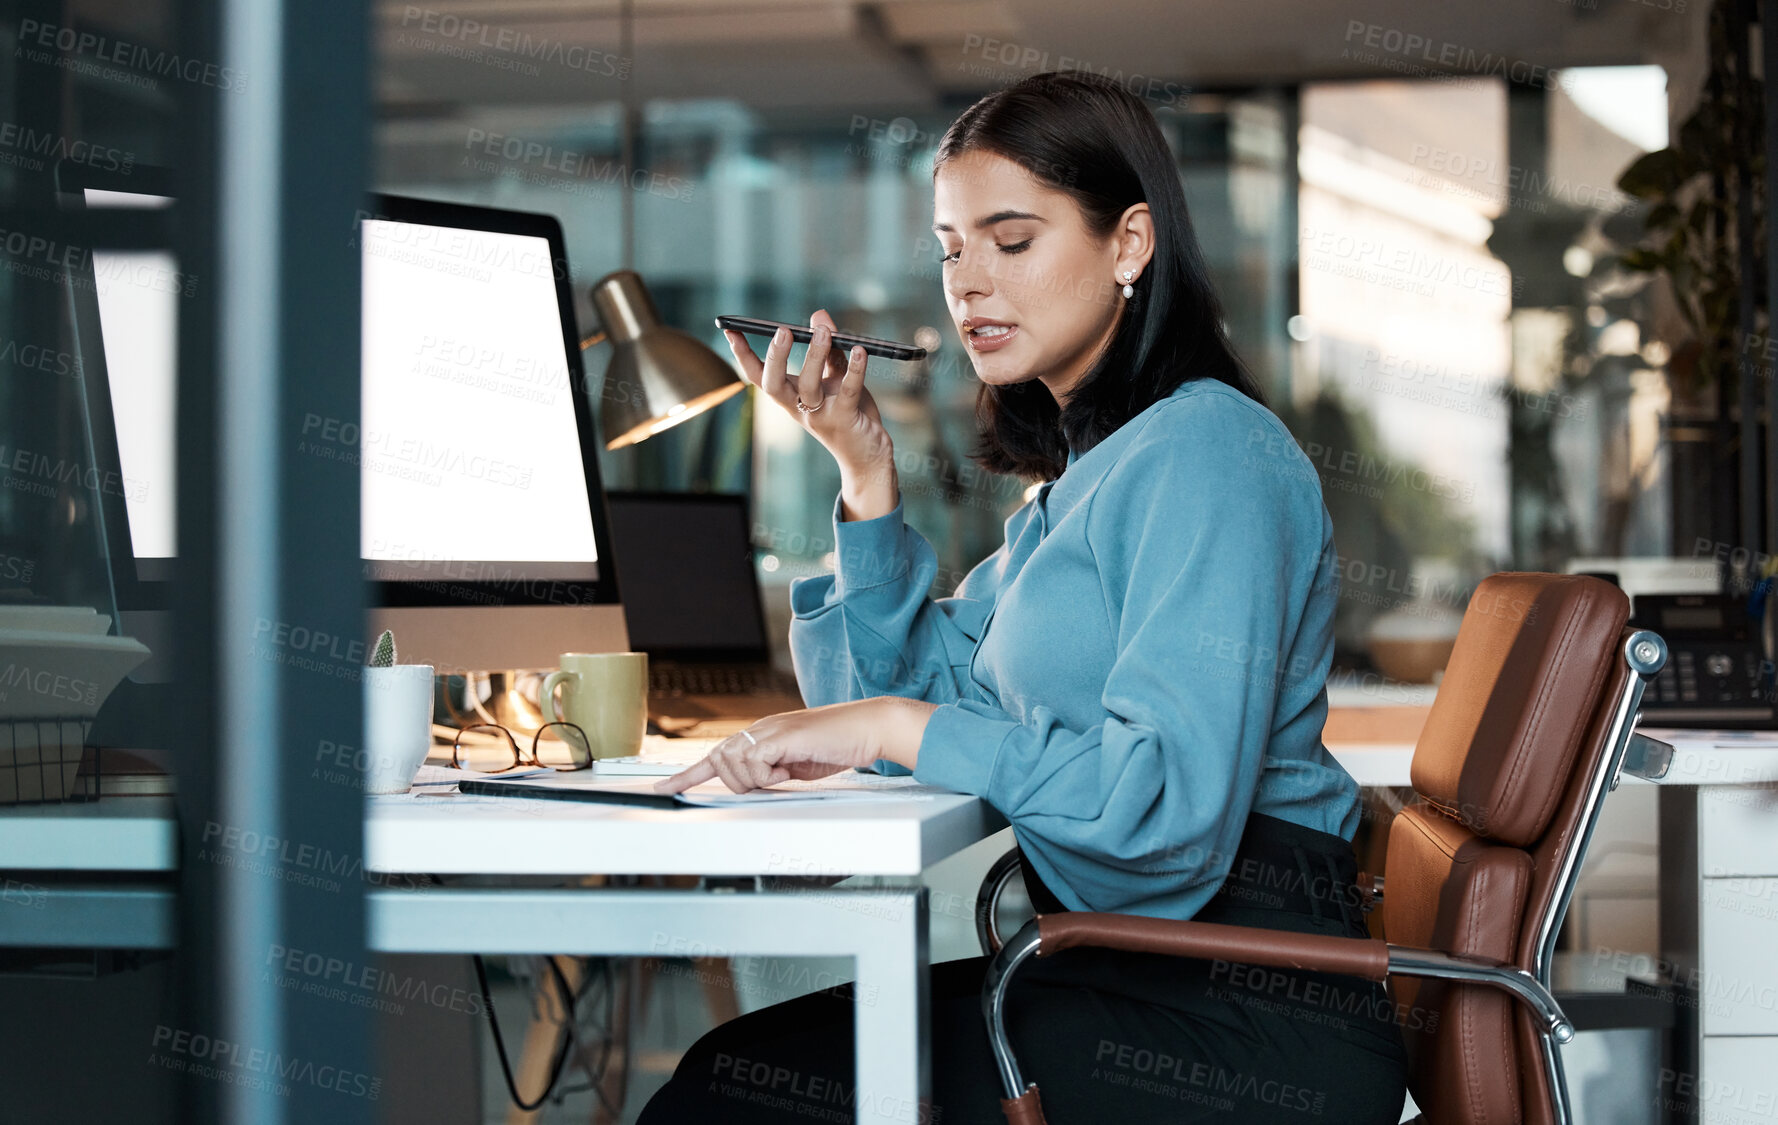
[434, 781]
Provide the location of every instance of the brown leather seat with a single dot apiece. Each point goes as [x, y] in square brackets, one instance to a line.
[1529, 730]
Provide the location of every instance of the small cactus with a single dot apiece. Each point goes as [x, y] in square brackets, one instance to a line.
[384, 655]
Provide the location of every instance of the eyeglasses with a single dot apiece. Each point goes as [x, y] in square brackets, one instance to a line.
[491, 748]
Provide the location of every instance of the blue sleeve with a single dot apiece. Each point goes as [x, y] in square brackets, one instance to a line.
[869, 628]
[1207, 558]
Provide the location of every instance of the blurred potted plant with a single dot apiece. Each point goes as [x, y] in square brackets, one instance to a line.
[397, 719]
[1709, 261]
[1693, 189]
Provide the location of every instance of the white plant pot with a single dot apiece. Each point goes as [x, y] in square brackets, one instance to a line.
[397, 725]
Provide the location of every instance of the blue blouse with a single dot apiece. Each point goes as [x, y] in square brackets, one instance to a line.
[1166, 629]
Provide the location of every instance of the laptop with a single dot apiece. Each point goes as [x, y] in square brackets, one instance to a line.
[692, 602]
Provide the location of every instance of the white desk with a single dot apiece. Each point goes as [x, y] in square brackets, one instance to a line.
[490, 835]
[1702, 758]
[471, 835]
[1719, 812]
[884, 931]
[497, 840]
[1719, 920]
[136, 833]
[115, 834]
[74, 907]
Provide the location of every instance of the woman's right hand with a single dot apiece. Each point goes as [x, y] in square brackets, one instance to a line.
[842, 415]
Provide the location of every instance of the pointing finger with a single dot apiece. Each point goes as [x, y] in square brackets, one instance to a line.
[695, 774]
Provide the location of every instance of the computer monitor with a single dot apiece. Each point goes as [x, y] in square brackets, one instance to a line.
[483, 523]
[123, 307]
[485, 531]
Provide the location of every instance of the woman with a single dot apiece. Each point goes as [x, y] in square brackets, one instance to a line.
[1135, 679]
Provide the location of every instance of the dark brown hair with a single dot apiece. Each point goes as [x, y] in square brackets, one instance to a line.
[1086, 136]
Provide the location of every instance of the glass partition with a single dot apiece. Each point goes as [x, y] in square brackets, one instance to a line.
[1470, 376]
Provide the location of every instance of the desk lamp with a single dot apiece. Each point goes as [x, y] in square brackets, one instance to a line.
[658, 376]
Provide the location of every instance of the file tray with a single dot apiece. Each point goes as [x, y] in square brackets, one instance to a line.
[40, 757]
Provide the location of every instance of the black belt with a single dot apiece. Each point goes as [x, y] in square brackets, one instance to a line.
[1283, 877]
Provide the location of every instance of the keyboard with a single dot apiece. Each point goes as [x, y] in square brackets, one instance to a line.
[716, 679]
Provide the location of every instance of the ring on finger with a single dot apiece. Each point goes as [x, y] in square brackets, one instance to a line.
[749, 737]
[806, 409]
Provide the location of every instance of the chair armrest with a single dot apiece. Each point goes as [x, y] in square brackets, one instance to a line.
[1250, 945]
[1366, 958]
[1369, 958]
[1050, 933]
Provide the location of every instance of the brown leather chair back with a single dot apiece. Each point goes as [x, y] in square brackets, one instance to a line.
[1500, 768]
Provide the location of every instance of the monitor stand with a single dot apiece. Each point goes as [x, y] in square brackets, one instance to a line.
[459, 639]
[507, 698]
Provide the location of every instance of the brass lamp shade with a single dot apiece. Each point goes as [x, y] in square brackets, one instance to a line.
[658, 376]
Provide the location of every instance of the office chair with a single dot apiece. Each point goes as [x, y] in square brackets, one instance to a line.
[1533, 725]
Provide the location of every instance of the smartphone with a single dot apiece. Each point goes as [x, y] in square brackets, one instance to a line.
[753, 326]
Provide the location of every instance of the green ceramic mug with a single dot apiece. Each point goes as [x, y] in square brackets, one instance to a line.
[604, 694]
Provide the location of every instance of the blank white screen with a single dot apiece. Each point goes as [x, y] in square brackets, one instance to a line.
[139, 322]
[469, 448]
[138, 294]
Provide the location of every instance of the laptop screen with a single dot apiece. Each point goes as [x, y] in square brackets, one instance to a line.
[685, 572]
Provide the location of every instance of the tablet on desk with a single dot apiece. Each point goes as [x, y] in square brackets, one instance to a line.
[608, 793]
[639, 791]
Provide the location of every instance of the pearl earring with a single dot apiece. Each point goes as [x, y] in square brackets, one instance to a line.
[1129, 290]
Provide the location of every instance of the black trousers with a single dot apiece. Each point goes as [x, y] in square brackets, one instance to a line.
[1110, 1038]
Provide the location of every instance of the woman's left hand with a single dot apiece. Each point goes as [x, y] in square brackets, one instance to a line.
[805, 745]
